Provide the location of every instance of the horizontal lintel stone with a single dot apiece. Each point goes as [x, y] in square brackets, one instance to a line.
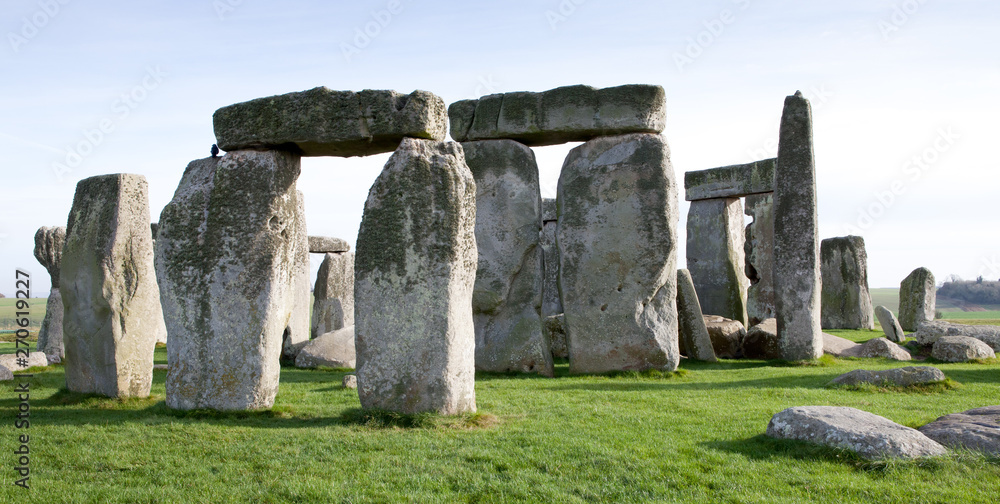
[730, 181]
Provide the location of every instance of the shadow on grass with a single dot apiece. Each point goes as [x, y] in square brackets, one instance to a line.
[380, 419]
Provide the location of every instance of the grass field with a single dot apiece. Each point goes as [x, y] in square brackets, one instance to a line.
[888, 298]
[697, 437]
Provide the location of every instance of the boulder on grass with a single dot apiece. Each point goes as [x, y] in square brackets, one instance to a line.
[930, 331]
[333, 349]
[761, 341]
[727, 336]
[960, 349]
[976, 429]
[890, 326]
[900, 377]
[882, 347]
[840, 347]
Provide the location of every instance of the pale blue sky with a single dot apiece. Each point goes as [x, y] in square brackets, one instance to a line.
[886, 85]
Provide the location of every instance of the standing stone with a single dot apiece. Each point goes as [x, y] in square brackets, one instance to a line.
[414, 274]
[796, 247]
[507, 300]
[48, 250]
[226, 260]
[715, 256]
[846, 303]
[551, 302]
[890, 326]
[759, 247]
[917, 299]
[297, 332]
[617, 241]
[333, 296]
[694, 338]
[112, 303]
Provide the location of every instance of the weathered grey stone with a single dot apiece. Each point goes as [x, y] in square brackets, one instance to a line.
[324, 122]
[6, 374]
[617, 240]
[333, 349]
[840, 347]
[34, 359]
[154, 228]
[730, 181]
[869, 435]
[727, 336]
[226, 257]
[899, 377]
[551, 301]
[333, 296]
[761, 341]
[327, 245]
[890, 326]
[917, 299]
[976, 429]
[796, 246]
[112, 315]
[759, 248]
[507, 300]
[960, 349]
[882, 347]
[715, 256]
[694, 340]
[565, 114]
[930, 331]
[555, 330]
[297, 332]
[414, 274]
[350, 382]
[550, 212]
[48, 250]
[846, 303]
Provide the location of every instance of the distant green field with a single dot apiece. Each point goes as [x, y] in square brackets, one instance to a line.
[888, 298]
[8, 320]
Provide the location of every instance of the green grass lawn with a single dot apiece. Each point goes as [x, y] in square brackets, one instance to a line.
[697, 437]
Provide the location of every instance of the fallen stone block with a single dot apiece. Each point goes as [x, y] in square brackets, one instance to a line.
[333, 349]
[960, 349]
[931, 331]
[976, 429]
[899, 377]
[890, 326]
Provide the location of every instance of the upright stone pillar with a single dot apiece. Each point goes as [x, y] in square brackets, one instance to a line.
[715, 256]
[226, 260]
[796, 245]
[507, 300]
[333, 296]
[552, 309]
[297, 332]
[112, 304]
[917, 299]
[48, 250]
[414, 274]
[617, 241]
[759, 248]
[846, 303]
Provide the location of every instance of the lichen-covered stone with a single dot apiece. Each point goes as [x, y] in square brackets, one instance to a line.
[566, 114]
[976, 429]
[846, 303]
[694, 339]
[917, 299]
[960, 349]
[415, 269]
[324, 122]
[890, 326]
[327, 245]
[899, 377]
[333, 296]
[555, 330]
[48, 250]
[297, 332]
[929, 332]
[715, 256]
[226, 256]
[551, 302]
[617, 240]
[759, 248]
[334, 349]
[796, 271]
[882, 347]
[112, 314]
[507, 300]
[730, 181]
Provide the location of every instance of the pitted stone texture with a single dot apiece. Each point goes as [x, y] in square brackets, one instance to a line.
[796, 246]
[334, 349]
[297, 332]
[327, 245]
[50, 334]
[761, 341]
[48, 250]
[917, 299]
[226, 261]
[324, 122]
[550, 212]
[617, 242]
[929, 332]
[414, 274]
[551, 301]
[555, 330]
[899, 377]
[730, 181]
[890, 326]
[507, 299]
[715, 256]
[882, 347]
[694, 340]
[869, 435]
[727, 336]
[333, 296]
[976, 429]
[960, 349]
[846, 303]
[565, 114]
[112, 315]
[759, 250]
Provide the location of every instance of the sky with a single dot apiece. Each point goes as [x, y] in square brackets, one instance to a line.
[904, 96]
